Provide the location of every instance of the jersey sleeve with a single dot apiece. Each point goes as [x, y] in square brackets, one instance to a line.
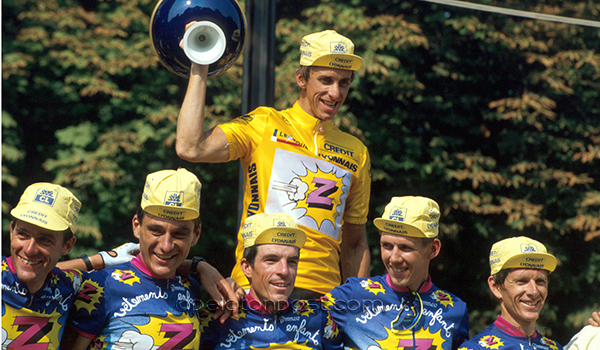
[336, 303]
[357, 204]
[244, 133]
[463, 330]
[332, 336]
[470, 344]
[88, 314]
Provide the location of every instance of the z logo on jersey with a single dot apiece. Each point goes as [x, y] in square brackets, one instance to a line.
[33, 329]
[491, 342]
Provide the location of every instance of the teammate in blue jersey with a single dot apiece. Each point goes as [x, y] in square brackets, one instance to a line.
[520, 267]
[143, 304]
[402, 309]
[36, 295]
[269, 318]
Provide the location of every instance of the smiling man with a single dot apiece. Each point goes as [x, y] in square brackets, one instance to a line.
[143, 304]
[270, 319]
[520, 267]
[296, 161]
[37, 295]
[402, 309]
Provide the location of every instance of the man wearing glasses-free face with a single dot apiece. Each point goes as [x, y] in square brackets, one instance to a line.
[402, 308]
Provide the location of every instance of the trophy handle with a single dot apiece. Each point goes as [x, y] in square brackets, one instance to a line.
[217, 40]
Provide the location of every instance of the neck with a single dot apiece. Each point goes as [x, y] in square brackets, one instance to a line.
[527, 328]
[260, 304]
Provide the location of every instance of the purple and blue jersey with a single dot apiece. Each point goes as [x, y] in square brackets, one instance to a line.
[125, 307]
[36, 321]
[301, 325]
[374, 314]
[501, 335]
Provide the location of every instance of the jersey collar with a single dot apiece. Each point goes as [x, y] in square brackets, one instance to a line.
[508, 328]
[424, 287]
[141, 265]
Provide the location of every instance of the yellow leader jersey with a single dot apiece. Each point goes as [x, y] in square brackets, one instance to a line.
[299, 165]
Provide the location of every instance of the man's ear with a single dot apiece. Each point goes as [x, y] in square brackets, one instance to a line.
[300, 80]
[494, 287]
[435, 248]
[197, 234]
[246, 268]
[136, 225]
[12, 228]
[68, 246]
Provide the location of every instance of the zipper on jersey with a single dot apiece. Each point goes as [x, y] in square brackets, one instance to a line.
[315, 137]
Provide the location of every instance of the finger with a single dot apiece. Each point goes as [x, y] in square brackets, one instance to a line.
[232, 305]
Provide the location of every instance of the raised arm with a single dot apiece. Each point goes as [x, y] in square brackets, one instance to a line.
[355, 256]
[193, 143]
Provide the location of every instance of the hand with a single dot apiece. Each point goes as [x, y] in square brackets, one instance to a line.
[122, 254]
[225, 292]
[187, 26]
[237, 289]
[595, 319]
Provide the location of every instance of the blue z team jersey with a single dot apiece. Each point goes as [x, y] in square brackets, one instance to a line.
[36, 321]
[501, 335]
[302, 325]
[124, 307]
[374, 315]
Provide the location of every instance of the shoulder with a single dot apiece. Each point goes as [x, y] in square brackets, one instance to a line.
[483, 340]
[444, 295]
[260, 114]
[338, 136]
[587, 336]
[470, 344]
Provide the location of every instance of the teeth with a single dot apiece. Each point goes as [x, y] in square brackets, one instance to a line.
[29, 262]
[330, 104]
[530, 303]
[165, 257]
[280, 284]
[398, 270]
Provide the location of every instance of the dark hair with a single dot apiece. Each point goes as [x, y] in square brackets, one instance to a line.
[304, 72]
[67, 234]
[141, 213]
[250, 254]
[500, 276]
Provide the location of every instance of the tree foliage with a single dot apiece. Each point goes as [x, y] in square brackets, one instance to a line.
[495, 117]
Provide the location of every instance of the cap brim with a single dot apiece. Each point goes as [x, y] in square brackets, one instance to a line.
[541, 261]
[171, 213]
[277, 235]
[51, 221]
[399, 228]
[330, 61]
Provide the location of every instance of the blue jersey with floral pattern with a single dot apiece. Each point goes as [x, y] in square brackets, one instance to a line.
[36, 320]
[374, 314]
[501, 335]
[301, 325]
[125, 307]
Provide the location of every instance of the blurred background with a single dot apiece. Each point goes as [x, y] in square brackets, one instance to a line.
[495, 117]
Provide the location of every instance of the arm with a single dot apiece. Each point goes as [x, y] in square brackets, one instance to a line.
[120, 255]
[355, 256]
[224, 291]
[78, 264]
[71, 340]
[192, 142]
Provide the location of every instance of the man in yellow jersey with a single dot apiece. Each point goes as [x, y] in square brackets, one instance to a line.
[296, 161]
